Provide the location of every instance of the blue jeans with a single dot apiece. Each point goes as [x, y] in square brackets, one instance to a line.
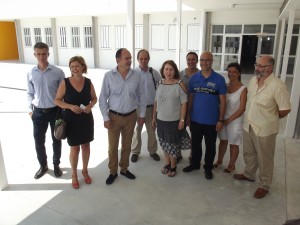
[198, 131]
[40, 125]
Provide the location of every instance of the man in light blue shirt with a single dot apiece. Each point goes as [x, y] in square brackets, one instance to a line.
[42, 83]
[152, 77]
[122, 93]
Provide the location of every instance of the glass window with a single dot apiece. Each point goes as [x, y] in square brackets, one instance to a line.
[88, 37]
[120, 36]
[233, 29]
[252, 29]
[293, 47]
[27, 37]
[295, 29]
[217, 43]
[267, 45]
[75, 32]
[217, 62]
[62, 37]
[104, 36]
[291, 64]
[138, 36]
[37, 34]
[157, 36]
[269, 28]
[193, 34]
[48, 36]
[217, 29]
[232, 45]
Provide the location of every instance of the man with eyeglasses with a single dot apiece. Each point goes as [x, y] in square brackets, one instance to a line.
[206, 110]
[268, 102]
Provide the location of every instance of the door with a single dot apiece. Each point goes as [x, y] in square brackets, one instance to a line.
[248, 53]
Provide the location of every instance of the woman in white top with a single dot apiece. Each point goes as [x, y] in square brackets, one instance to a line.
[170, 109]
[232, 132]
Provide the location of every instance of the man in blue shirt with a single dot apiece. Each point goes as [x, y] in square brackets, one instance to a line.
[122, 93]
[42, 83]
[206, 110]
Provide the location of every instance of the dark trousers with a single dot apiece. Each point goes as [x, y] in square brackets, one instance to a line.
[40, 125]
[198, 131]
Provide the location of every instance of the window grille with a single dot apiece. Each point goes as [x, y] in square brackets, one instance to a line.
[120, 36]
[62, 37]
[48, 36]
[193, 37]
[75, 32]
[37, 34]
[138, 36]
[27, 37]
[88, 37]
[104, 36]
[157, 36]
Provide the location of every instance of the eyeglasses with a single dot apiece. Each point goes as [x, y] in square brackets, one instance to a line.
[261, 66]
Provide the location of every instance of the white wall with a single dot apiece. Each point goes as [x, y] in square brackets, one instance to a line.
[66, 53]
[32, 23]
[245, 17]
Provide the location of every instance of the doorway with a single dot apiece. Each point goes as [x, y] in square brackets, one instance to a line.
[248, 53]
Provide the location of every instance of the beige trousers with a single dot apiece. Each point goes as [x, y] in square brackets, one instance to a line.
[123, 126]
[137, 140]
[259, 154]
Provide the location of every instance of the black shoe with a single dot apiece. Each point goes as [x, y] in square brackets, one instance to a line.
[155, 156]
[111, 178]
[128, 174]
[41, 172]
[134, 157]
[190, 168]
[208, 174]
[57, 171]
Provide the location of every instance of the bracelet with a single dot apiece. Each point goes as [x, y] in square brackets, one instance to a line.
[222, 121]
[181, 120]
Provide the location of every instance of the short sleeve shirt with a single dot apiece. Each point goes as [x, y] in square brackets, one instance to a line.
[206, 97]
[263, 105]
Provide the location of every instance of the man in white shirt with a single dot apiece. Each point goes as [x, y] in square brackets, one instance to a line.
[152, 77]
[121, 95]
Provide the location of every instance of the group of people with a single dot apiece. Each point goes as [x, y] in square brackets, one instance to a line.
[167, 102]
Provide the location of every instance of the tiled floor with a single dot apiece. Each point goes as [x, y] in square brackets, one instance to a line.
[152, 198]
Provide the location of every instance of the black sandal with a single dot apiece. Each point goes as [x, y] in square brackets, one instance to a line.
[172, 171]
[166, 169]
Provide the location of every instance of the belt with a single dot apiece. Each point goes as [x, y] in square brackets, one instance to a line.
[148, 106]
[122, 114]
[44, 110]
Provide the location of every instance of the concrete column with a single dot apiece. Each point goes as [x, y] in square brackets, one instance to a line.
[146, 32]
[131, 28]
[3, 176]
[19, 41]
[280, 47]
[54, 41]
[287, 45]
[178, 32]
[96, 45]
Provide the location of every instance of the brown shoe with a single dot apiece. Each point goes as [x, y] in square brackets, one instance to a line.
[242, 177]
[260, 193]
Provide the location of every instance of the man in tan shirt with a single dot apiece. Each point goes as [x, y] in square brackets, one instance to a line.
[268, 101]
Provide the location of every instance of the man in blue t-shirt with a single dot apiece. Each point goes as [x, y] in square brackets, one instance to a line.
[207, 104]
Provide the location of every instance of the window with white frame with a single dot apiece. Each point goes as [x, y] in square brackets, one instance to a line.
[37, 34]
[75, 33]
[138, 36]
[27, 37]
[63, 37]
[120, 36]
[48, 36]
[172, 37]
[88, 37]
[157, 36]
[193, 37]
[104, 36]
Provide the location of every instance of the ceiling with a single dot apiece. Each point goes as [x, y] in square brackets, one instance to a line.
[15, 9]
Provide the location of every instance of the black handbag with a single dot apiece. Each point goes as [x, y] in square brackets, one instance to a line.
[60, 127]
